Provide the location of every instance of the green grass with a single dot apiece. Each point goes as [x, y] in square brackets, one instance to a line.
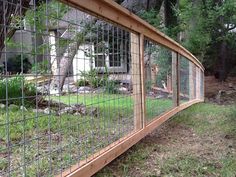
[209, 118]
[56, 142]
[213, 154]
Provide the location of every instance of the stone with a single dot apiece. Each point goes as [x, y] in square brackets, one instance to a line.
[77, 114]
[44, 89]
[23, 108]
[84, 89]
[231, 85]
[67, 110]
[160, 96]
[123, 90]
[93, 112]
[99, 90]
[48, 111]
[2, 106]
[219, 96]
[38, 110]
[13, 107]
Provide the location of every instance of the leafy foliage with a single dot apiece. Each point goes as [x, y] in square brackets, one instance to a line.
[40, 67]
[208, 24]
[91, 77]
[16, 88]
[18, 64]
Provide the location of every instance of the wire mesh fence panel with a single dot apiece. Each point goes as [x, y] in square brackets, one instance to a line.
[158, 79]
[70, 86]
[192, 81]
[184, 82]
[202, 85]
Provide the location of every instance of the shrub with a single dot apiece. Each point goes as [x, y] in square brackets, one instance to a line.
[111, 87]
[13, 87]
[14, 64]
[82, 82]
[40, 67]
[92, 78]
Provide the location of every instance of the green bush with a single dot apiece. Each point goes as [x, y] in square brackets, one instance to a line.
[11, 89]
[111, 87]
[14, 64]
[40, 67]
[92, 78]
[82, 82]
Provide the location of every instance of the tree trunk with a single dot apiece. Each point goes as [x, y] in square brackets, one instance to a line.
[64, 65]
[60, 73]
[7, 10]
[222, 58]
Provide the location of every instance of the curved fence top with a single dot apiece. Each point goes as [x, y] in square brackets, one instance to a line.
[82, 81]
[110, 10]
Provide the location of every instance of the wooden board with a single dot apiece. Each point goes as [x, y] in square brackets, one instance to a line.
[111, 11]
[108, 154]
[136, 80]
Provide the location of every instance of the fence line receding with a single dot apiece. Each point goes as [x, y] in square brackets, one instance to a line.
[83, 81]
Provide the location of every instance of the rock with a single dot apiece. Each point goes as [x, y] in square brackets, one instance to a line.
[160, 96]
[2, 106]
[84, 89]
[54, 91]
[77, 114]
[67, 110]
[69, 88]
[123, 90]
[23, 108]
[219, 96]
[48, 111]
[13, 107]
[231, 85]
[93, 112]
[170, 96]
[99, 90]
[43, 89]
[38, 110]
[151, 93]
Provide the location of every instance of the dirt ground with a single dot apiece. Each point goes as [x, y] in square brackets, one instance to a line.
[200, 141]
[213, 86]
[172, 143]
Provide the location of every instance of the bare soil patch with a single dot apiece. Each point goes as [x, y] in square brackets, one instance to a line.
[175, 149]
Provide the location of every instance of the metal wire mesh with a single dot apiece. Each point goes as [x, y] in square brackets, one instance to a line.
[184, 79]
[71, 86]
[47, 126]
[158, 79]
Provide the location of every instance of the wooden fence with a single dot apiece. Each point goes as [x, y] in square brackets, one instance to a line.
[140, 31]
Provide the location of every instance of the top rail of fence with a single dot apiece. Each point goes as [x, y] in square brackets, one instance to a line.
[111, 11]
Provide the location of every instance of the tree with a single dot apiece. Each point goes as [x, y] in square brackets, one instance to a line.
[209, 26]
[8, 12]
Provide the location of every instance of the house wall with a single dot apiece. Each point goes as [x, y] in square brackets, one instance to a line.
[81, 62]
[24, 43]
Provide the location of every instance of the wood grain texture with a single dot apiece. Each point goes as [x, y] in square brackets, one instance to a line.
[111, 11]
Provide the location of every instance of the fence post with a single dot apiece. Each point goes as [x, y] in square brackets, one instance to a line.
[191, 81]
[136, 80]
[175, 79]
[141, 42]
[198, 83]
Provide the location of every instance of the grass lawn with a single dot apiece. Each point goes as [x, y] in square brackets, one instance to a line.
[199, 141]
[45, 144]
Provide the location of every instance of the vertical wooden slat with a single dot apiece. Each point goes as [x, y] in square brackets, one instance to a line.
[142, 65]
[175, 79]
[191, 81]
[198, 84]
[136, 80]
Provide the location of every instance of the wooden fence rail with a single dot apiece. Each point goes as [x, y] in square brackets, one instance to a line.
[110, 11]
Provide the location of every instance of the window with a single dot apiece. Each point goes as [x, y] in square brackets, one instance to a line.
[112, 57]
